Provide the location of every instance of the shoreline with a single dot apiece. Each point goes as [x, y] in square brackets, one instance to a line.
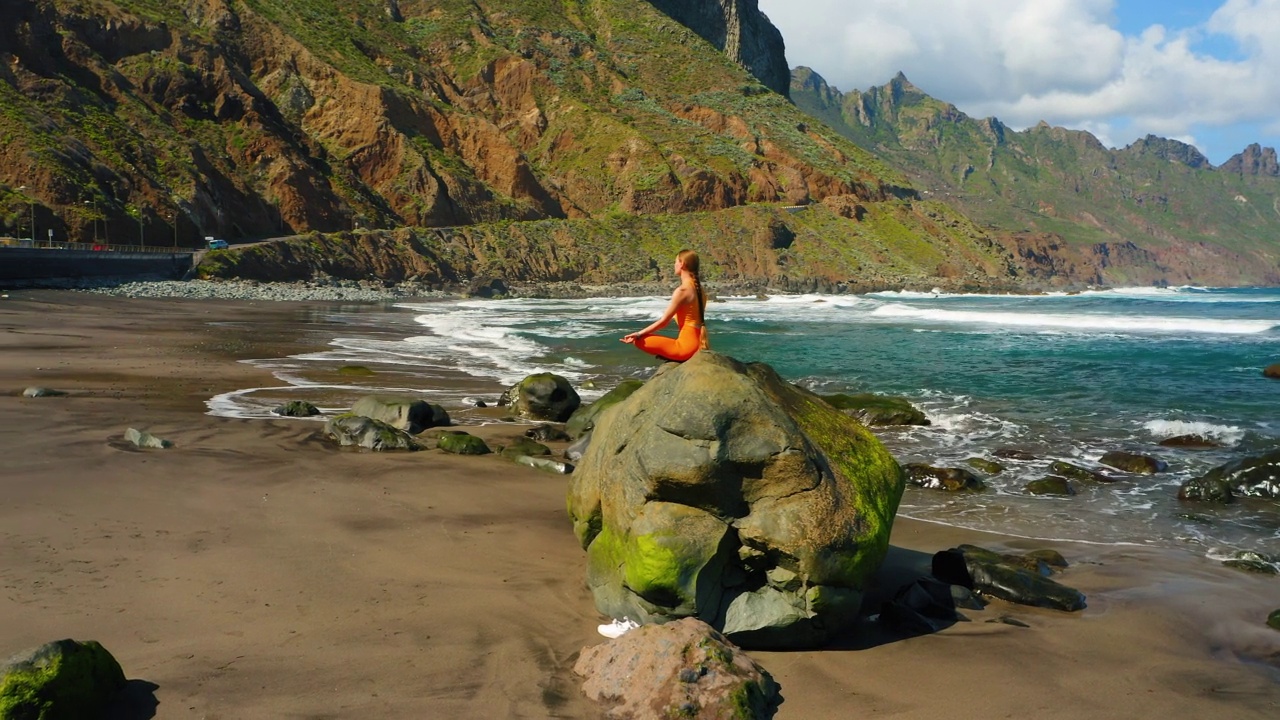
[255, 571]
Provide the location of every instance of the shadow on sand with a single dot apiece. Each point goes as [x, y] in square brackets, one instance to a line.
[137, 701]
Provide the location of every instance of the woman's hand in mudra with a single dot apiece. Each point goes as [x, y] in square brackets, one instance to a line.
[630, 338]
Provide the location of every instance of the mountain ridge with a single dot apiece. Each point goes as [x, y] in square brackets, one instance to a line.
[1162, 194]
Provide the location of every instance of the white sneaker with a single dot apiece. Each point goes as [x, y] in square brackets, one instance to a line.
[617, 628]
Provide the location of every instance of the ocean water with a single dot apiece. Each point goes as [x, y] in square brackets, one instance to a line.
[1060, 376]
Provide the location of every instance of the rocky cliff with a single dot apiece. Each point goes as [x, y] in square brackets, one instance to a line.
[1155, 211]
[264, 117]
[739, 29]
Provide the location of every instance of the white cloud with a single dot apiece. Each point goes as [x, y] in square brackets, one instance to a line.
[1057, 60]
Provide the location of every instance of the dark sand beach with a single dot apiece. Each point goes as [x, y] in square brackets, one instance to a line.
[256, 571]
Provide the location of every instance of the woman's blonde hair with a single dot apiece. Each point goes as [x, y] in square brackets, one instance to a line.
[689, 261]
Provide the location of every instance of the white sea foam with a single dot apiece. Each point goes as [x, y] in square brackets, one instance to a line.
[1121, 323]
[1228, 434]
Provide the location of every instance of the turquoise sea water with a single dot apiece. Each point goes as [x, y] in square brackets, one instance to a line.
[1060, 376]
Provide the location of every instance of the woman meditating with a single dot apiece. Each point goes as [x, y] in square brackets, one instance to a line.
[688, 305]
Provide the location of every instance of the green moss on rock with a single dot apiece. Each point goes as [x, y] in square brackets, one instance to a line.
[63, 680]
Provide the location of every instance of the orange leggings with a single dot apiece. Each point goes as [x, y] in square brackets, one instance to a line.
[679, 349]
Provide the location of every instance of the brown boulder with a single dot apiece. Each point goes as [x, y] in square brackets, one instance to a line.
[1272, 371]
[681, 669]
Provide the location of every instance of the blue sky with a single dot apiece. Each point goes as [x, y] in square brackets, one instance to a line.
[1205, 72]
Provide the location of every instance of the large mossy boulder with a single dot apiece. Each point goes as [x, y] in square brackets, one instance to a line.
[60, 680]
[358, 431]
[872, 409]
[1254, 476]
[545, 396]
[583, 419]
[410, 414]
[720, 491]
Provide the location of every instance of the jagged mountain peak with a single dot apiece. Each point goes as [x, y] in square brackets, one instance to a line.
[1253, 160]
[1171, 150]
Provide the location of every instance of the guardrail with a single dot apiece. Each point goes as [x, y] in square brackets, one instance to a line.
[96, 247]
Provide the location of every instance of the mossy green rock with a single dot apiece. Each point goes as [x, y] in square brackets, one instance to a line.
[544, 396]
[871, 409]
[359, 431]
[1134, 462]
[355, 371]
[525, 446]
[720, 491]
[949, 479]
[297, 408]
[583, 419]
[410, 414]
[460, 443]
[63, 680]
[1076, 472]
[1051, 485]
[1254, 476]
[1273, 620]
[990, 467]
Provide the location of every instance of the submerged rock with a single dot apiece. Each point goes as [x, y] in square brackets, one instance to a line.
[1134, 462]
[406, 413]
[1075, 472]
[461, 443]
[39, 392]
[1254, 562]
[990, 467]
[1214, 490]
[359, 431]
[545, 396]
[871, 409]
[1008, 453]
[936, 478]
[720, 491]
[146, 440]
[1190, 442]
[1050, 485]
[993, 574]
[683, 669]
[584, 418]
[1255, 476]
[63, 679]
[297, 408]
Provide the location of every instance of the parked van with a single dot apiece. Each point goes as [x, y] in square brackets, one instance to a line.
[215, 243]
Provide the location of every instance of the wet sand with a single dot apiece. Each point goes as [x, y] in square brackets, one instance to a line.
[256, 571]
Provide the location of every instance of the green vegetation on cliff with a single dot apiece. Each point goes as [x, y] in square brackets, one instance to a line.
[1161, 194]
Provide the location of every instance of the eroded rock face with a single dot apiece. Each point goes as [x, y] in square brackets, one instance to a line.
[680, 669]
[583, 419]
[738, 28]
[358, 431]
[720, 491]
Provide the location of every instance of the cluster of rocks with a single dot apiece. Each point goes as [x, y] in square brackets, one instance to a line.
[335, 290]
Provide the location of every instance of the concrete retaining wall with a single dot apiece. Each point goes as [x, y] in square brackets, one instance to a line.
[29, 267]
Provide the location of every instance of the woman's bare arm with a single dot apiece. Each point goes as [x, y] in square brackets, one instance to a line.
[678, 298]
